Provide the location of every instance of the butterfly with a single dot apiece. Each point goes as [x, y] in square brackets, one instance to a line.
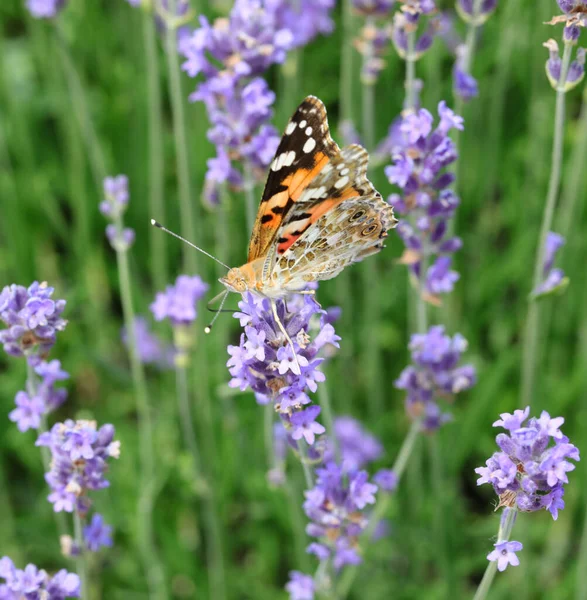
[318, 214]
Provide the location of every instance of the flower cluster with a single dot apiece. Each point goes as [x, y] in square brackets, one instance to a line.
[434, 373]
[408, 21]
[34, 583]
[41, 396]
[335, 507]
[357, 446]
[420, 156]
[151, 350]
[575, 73]
[372, 44]
[265, 362]
[231, 54]
[574, 17]
[32, 316]
[113, 207]
[178, 302]
[553, 279]
[80, 453]
[530, 470]
[44, 9]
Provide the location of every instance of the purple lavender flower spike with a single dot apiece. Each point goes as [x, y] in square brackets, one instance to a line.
[505, 554]
[97, 534]
[386, 479]
[32, 583]
[80, 452]
[264, 360]
[576, 70]
[553, 280]
[113, 207]
[151, 349]
[305, 19]
[335, 508]
[466, 10]
[357, 446]
[28, 412]
[435, 373]
[531, 468]
[33, 318]
[178, 302]
[45, 9]
[300, 586]
[420, 155]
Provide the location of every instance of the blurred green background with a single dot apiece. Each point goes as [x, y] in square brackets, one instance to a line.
[442, 526]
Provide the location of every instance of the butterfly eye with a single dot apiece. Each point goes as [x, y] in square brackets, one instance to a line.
[357, 215]
[369, 230]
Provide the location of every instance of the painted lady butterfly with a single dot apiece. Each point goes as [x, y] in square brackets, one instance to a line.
[318, 214]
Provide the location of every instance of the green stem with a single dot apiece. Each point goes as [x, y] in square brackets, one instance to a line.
[80, 560]
[268, 412]
[576, 172]
[305, 463]
[157, 242]
[368, 93]
[188, 223]
[421, 305]
[531, 337]
[503, 535]
[381, 506]
[186, 420]
[324, 401]
[151, 564]
[410, 81]
[81, 110]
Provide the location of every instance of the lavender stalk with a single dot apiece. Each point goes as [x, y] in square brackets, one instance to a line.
[532, 329]
[80, 560]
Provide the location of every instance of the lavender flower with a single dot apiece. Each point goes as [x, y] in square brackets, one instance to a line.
[531, 469]
[476, 15]
[33, 583]
[97, 534]
[420, 156]
[44, 9]
[305, 19]
[150, 348]
[80, 452]
[464, 84]
[574, 17]
[553, 280]
[434, 374]
[372, 44]
[386, 479]
[505, 554]
[553, 65]
[113, 207]
[178, 302]
[300, 586]
[379, 8]
[357, 446]
[32, 316]
[41, 398]
[264, 361]
[335, 508]
[408, 21]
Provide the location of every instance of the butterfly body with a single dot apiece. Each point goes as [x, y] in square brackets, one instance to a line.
[318, 213]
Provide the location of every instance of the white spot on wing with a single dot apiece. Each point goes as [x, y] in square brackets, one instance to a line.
[345, 171]
[341, 182]
[309, 145]
[308, 131]
[303, 123]
[289, 158]
[290, 128]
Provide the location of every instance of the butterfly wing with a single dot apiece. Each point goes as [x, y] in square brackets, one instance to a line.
[352, 230]
[304, 151]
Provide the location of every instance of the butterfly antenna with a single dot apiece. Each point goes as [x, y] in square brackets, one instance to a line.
[208, 328]
[157, 224]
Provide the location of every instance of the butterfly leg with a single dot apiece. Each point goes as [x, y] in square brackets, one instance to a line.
[286, 335]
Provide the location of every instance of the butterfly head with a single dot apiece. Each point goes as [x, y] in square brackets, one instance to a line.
[236, 281]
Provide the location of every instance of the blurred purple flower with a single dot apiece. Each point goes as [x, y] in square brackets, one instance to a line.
[505, 554]
[28, 412]
[576, 70]
[464, 84]
[151, 349]
[372, 44]
[178, 302]
[553, 280]
[475, 14]
[97, 534]
[531, 468]
[32, 316]
[304, 424]
[386, 479]
[33, 583]
[305, 19]
[420, 155]
[377, 8]
[44, 9]
[435, 373]
[357, 446]
[300, 586]
[79, 452]
[113, 207]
